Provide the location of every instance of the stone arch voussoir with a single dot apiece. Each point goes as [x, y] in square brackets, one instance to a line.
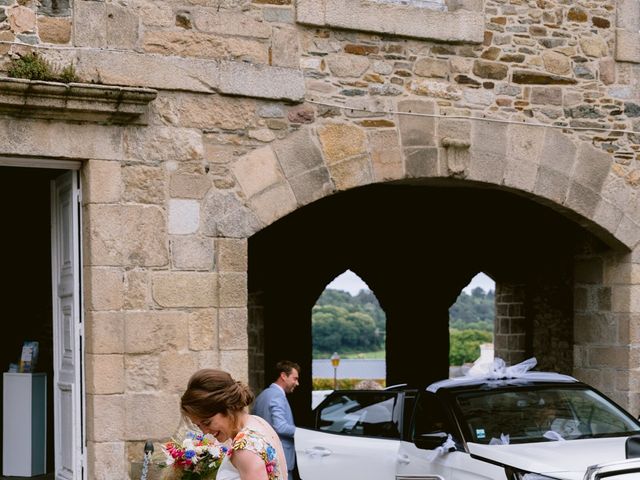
[545, 164]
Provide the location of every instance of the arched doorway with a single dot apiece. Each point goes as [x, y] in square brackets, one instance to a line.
[417, 246]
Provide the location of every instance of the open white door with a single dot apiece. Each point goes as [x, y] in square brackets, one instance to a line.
[67, 329]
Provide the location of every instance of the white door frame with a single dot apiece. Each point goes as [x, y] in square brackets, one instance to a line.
[78, 420]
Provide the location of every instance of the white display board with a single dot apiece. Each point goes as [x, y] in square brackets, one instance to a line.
[24, 433]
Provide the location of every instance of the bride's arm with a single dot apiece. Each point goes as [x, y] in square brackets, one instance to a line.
[249, 465]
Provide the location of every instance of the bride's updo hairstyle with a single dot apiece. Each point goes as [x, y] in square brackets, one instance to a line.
[211, 391]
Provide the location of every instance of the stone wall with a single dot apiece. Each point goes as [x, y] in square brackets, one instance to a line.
[230, 147]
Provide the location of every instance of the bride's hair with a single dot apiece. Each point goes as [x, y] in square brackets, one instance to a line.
[212, 391]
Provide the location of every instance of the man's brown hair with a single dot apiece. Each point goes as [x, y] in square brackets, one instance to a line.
[285, 366]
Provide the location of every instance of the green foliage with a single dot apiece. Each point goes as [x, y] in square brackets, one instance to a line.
[347, 324]
[464, 345]
[343, 383]
[32, 66]
[473, 312]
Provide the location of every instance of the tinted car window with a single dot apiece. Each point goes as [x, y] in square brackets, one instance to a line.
[430, 416]
[360, 413]
[541, 414]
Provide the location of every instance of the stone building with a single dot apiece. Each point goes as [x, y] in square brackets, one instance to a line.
[220, 162]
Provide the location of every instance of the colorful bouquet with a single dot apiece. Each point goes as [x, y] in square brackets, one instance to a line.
[197, 457]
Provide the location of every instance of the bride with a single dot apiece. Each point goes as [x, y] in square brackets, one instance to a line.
[217, 405]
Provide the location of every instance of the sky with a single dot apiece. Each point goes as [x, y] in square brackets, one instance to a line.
[350, 282]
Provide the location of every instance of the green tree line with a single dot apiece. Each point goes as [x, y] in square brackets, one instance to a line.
[347, 323]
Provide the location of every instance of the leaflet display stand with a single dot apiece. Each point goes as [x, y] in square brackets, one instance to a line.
[24, 434]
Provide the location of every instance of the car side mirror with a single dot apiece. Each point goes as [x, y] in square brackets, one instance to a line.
[429, 441]
[632, 447]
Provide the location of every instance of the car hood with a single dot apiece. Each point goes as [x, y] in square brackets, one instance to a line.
[568, 459]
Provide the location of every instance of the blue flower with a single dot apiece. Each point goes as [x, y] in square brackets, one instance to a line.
[271, 452]
[189, 454]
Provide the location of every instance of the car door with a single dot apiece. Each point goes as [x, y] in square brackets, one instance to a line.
[419, 456]
[356, 437]
[423, 454]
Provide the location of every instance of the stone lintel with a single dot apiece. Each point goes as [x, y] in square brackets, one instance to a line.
[261, 81]
[403, 20]
[74, 101]
[191, 74]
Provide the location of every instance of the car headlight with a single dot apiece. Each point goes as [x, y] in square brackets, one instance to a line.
[513, 474]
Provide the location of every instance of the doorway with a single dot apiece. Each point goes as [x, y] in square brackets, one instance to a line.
[38, 212]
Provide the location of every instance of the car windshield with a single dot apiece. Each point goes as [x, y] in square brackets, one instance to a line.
[536, 414]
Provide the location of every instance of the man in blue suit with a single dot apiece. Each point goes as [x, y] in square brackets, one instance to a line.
[273, 406]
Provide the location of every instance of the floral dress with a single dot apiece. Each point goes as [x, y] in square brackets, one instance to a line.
[253, 441]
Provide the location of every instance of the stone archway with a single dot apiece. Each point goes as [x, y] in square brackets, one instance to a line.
[539, 166]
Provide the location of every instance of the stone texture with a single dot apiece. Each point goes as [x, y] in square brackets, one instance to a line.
[104, 332]
[233, 328]
[523, 151]
[230, 23]
[591, 168]
[285, 49]
[386, 155]
[105, 417]
[556, 63]
[21, 19]
[261, 160]
[99, 142]
[431, 67]
[54, 30]
[192, 253]
[155, 331]
[492, 70]
[346, 65]
[487, 158]
[261, 81]
[104, 289]
[203, 330]
[122, 27]
[163, 144]
[352, 172]
[405, 20]
[273, 203]
[421, 162]
[311, 185]
[101, 182]
[224, 215]
[106, 459]
[298, 153]
[188, 186]
[184, 216]
[104, 374]
[185, 289]
[341, 141]
[416, 130]
[206, 111]
[175, 370]
[90, 26]
[627, 46]
[530, 77]
[143, 184]
[594, 47]
[151, 415]
[126, 234]
[232, 288]
[142, 373]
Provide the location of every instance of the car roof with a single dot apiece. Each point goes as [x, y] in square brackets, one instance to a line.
[522, 379]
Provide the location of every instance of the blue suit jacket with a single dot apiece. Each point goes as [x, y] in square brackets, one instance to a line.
[273, 406]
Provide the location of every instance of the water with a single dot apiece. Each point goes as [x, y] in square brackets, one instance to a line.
[350, 368]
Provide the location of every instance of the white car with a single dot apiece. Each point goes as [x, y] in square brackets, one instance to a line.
[538, 426]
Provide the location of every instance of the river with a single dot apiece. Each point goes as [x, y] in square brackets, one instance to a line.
[350, 368]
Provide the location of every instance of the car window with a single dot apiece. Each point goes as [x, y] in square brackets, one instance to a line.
[369, 414]
[430, 416]
[541, 414]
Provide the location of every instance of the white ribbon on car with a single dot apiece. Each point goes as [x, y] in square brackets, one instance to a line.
[498, 370]
[448, 446]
